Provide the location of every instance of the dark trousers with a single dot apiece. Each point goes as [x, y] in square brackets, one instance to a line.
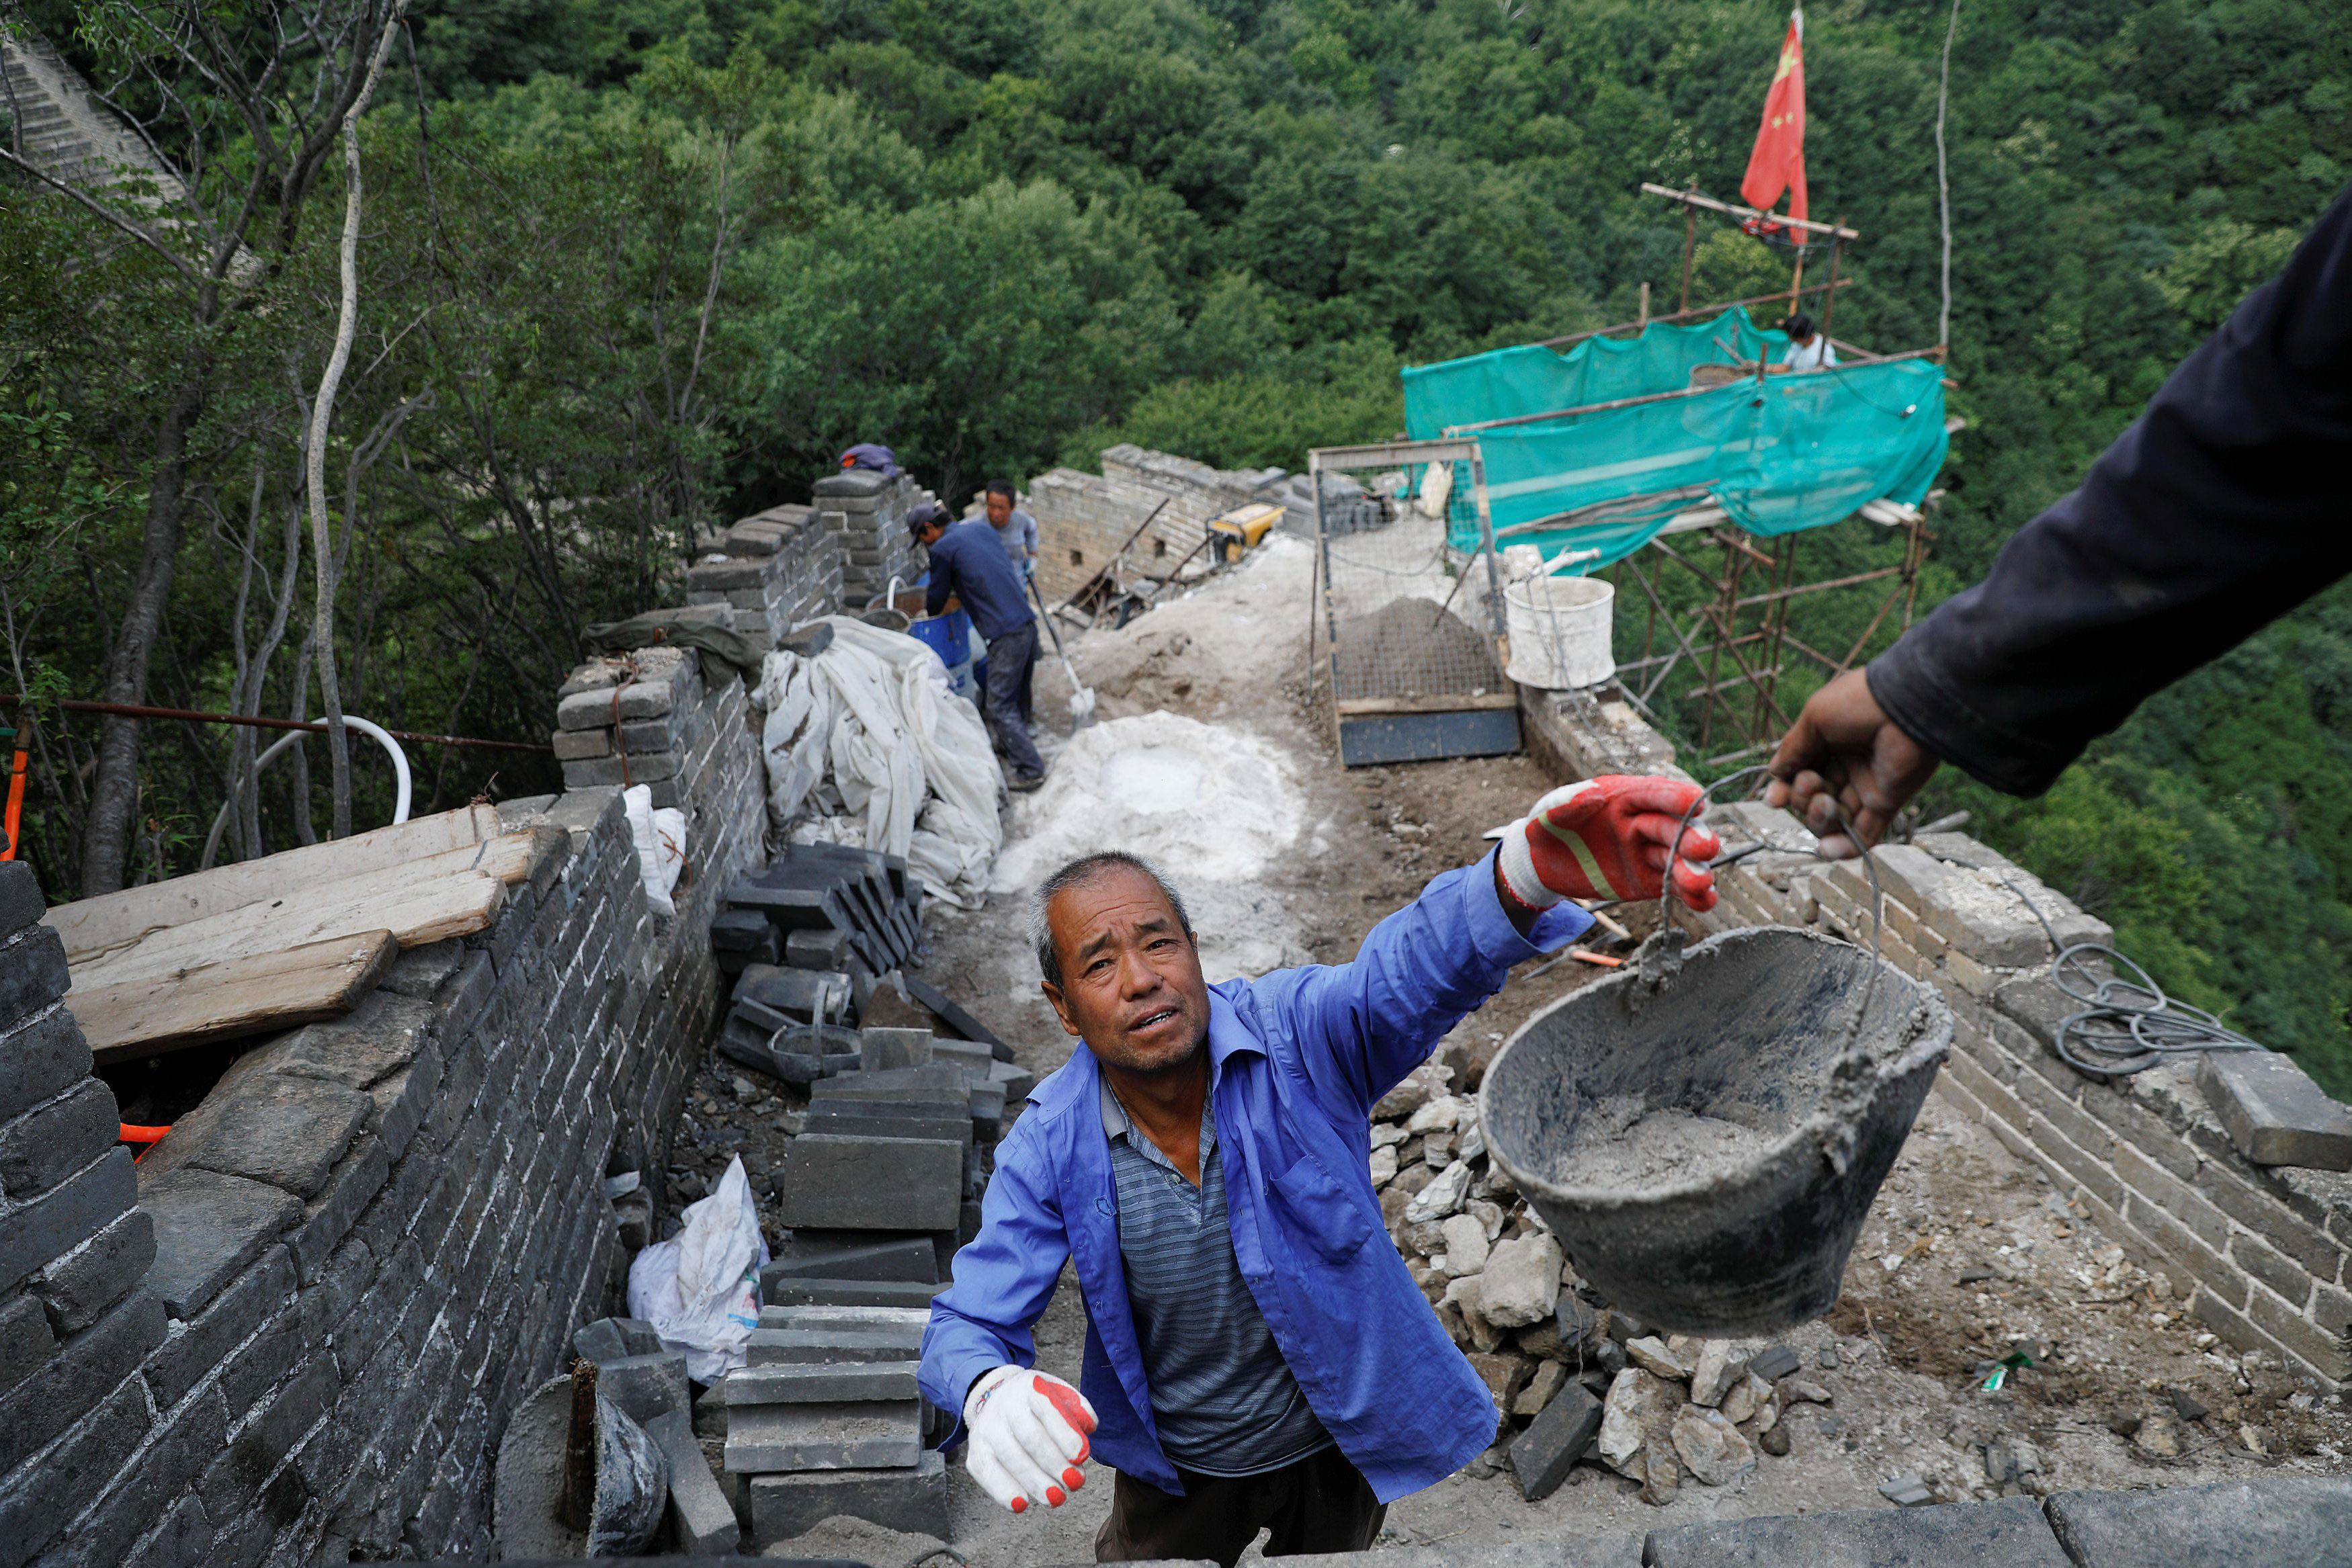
[1322, 1503]
[1011, 657]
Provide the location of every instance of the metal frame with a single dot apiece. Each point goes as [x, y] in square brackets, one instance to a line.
[1371, 731]
[1715, 633]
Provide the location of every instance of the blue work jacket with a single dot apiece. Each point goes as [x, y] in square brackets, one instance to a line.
[1297, 1059]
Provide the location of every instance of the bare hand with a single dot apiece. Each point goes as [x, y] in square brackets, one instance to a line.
[1845, 748]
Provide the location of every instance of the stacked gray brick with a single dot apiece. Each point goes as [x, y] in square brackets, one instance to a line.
[774, 570]
[643, 717]
[826, 1419]
[866, 514]
[347, 1265]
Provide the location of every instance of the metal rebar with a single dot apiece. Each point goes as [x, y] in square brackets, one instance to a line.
[254, 721]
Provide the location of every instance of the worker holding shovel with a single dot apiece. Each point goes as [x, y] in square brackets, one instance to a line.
[1257, 1356]
[968, 566]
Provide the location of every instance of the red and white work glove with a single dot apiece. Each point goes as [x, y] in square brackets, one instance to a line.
[1028, 1437]
[1609, 838]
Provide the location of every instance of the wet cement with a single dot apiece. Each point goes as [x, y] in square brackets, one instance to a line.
[1621, 1142]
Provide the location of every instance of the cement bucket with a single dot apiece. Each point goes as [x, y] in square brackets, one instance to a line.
[1609, 1110]
[1559, 629]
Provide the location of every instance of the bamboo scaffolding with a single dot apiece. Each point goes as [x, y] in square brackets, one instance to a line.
[1687, 311]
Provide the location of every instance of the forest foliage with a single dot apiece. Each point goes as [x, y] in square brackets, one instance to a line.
[633, 266]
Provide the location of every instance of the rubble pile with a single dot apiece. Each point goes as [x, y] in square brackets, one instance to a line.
[1576, 1380]
[647, 1381]
[774, 570]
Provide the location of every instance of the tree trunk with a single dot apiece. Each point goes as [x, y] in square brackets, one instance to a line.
[114, 794]
[322, 414]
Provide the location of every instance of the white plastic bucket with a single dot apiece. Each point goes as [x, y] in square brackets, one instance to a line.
[1559, 629]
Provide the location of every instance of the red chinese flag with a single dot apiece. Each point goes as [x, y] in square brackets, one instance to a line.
[1778, 161]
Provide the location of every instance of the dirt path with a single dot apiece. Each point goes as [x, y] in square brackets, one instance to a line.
[1968, 1254]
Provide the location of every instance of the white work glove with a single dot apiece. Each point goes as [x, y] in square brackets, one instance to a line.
[1028, 1437]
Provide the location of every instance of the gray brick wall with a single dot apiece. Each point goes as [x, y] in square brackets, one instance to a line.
[296, 1332]
[1084, 518]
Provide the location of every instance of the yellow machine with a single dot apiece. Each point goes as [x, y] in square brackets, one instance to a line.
[1241, 529]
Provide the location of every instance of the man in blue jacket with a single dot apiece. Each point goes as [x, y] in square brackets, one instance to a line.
[1256, 1356]
[969, 564]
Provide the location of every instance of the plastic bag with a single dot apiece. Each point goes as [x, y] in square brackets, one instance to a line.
[702, 1290]
[660, 836]
[632, 1484]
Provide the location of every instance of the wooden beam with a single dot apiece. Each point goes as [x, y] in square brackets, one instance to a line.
[91, 926]
[431, 902]
[263, 991]
[1440, 702]
[1778, 378]
[1688, 311]
[1693, 199]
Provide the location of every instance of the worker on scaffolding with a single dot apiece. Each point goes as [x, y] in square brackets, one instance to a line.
[969, 568]
[2220, 509]
[1808, 349]
[1257, 1356]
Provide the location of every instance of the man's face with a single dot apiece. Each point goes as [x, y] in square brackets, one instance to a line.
[999, 509]
[1131, 986]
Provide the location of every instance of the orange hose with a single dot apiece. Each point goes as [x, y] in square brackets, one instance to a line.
[16, 805]
[131, 1132]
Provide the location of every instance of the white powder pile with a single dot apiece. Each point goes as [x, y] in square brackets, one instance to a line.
[1211, 806]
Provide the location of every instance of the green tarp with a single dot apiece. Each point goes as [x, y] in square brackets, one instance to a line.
[1794, 452]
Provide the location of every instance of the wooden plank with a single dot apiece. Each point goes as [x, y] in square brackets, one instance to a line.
[1440, 702]
[263, 991]
[1693, 199]
[91, 925]
[456, 903]
[506, 859]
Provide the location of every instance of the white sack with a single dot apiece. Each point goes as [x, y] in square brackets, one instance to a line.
[871, 724]
[660, 838]
[702, 1290]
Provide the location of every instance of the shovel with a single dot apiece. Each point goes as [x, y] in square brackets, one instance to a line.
[1082, 697]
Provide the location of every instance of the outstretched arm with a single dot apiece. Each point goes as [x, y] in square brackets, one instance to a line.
[2220, 509]
[1363, 1025]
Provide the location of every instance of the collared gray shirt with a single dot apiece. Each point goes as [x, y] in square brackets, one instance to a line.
[1222, 1396]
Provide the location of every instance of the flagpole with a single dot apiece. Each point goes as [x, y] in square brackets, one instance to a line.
[1797, 276]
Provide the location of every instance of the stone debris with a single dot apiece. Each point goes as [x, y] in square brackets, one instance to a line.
[1653, 1356]
[1710, 1447]
[1720, 1364]
[1523, 1279]
[1581, 1380]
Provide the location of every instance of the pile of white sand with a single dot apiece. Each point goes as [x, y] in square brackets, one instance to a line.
[1214, 807]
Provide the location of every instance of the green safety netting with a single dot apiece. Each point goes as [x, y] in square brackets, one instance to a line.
[1796, 451]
